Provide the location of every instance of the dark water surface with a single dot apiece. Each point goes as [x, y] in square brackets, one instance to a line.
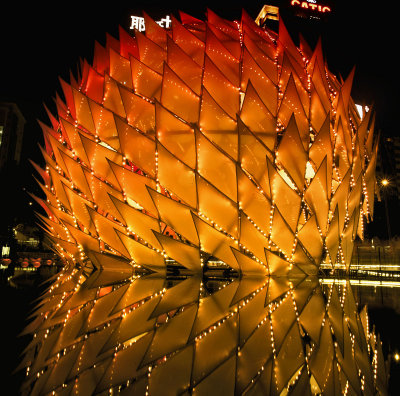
[17, 303]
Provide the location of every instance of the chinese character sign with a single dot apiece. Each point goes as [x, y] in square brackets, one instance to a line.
[138, 23]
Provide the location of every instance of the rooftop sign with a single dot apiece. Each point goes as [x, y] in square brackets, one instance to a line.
[138, 23]
[311, 6]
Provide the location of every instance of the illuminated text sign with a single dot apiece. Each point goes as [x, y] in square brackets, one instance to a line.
[311, 5]
[138, 23]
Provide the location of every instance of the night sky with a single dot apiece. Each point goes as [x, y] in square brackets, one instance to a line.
[40, 43]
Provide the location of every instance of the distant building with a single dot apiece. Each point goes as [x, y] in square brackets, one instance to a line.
[388, 165]
[12, 124]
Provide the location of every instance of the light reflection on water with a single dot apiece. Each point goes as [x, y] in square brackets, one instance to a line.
[158, 335]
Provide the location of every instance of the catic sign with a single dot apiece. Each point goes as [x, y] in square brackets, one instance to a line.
[138, 23]
[311, 5]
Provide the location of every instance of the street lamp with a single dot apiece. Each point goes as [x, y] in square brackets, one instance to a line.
[385, 183]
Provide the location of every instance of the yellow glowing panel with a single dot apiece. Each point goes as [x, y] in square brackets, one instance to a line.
[184, 254]
[285, 198]
[312, 316]
[222, 58]
[252, 314]
[248, 266]
[214, 166]
[75, 140]
[177, 97]
[136, 147]
[370, 180]
[339, 199]
[79, 206]
[112, 97]
[120, 69]
[222, 90]
[321, 87]
[176, 177]
[341, 149]
[77, 176]
[175, 373]
[264, 62]
[253, 202]
[139, 112]
[311, 239]
[215, 205]
[134, 323]
[259, 79]
[291, 154]
[177, 215]
[106, 231]
[184, 66]
[99, 157]
[183, 293]
[253, 355]
[332, 237]
[70, 331]
[155, 32]
[215, 242]
[125, 364]
[138, 222]
[212, 350]
[142, 254]
[277, 265]
[258, 118]
[150, 53]
[363, 130]
[57, 149]
[173, 335]
[316, 197]
[140, 289]
[214, 308]
[253, 156]
[176, 136]
[282, 320]
[101, 193]
[58, 183]
[193, 46]
[290, 49]
[134, 186]
[83, 113]
[251, 238]
[217, 125]
[290, 358]
[317, 111]
[321, 148]
[146, 81]
[281, 234]
[104, 124]
[221, 380]
[291, 104]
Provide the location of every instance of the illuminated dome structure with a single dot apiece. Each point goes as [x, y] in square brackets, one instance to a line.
[214, 145]
[216, 140]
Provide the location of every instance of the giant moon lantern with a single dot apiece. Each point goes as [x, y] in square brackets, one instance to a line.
[214, 141]
[212, 145]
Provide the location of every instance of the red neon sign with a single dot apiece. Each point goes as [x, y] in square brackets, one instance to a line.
[309, 5]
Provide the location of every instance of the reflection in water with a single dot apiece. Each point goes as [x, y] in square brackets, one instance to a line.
[159, 336]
